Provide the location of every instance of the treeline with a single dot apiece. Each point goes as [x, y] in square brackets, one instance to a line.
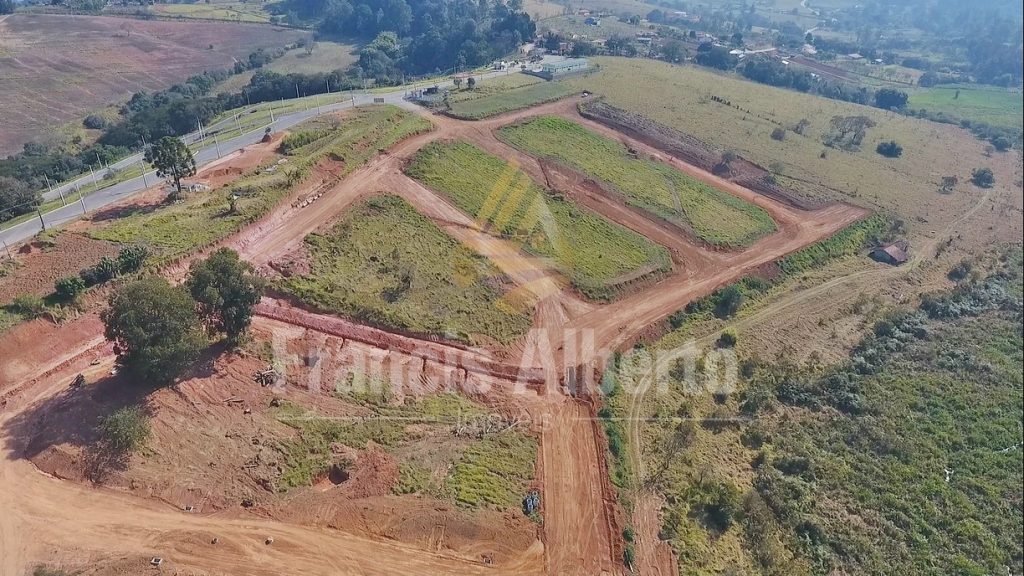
[418, 37]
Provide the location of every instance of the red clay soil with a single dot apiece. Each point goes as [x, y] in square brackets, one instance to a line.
[40, 264]
[581, 533]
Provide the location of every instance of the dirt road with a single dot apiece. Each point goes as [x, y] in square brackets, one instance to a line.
[578, 503]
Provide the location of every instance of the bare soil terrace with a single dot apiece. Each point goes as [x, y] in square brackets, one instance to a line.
[581, 523]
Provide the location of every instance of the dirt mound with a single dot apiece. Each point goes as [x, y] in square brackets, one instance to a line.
[40, 264]
[691, 150]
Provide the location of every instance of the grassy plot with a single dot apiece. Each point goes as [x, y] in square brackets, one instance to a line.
[999, 107]
[387, 264]
[509, 100]
[713, 216]
[207, 217]
[490, 469]
[592, 252]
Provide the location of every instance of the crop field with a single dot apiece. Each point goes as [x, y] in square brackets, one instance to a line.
[206, 217]
[385, 263]
[509, 100]
[593, 253]
[999, 107]
[714, 216]
[680, 97]
[57, 68]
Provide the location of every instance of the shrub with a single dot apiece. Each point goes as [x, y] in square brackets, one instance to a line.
[1001, 143]
[889, 149]
[131, 258]
[728, 301]
[28, 305]
[125, 429]
[94, 122]
[727, 339]
[105, 269]
[779, 134]
[69, 287]
[983, 177]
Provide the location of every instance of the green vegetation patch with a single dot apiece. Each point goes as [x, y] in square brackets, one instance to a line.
[907, 454]
[507, 101]
[712, 215]
[594, 254]
[993, 106]
[386, 264]
[494, 471]
[206, 217]
[485, 468]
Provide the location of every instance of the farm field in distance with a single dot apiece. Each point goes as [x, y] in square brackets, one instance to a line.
[55, 68]
[593, 253]
[999, 107]
[710, 214]
[386, 264]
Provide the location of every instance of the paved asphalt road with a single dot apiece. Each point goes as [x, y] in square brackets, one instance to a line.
[204, 156]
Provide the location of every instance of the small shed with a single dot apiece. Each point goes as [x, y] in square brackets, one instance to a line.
[894, 253]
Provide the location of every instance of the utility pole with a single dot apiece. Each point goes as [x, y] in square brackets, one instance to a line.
[8, 249]
[328, 80]
[317, 97]
[93, 175]
[217, 144]
[237, 127]
[145, 183]
[41, 223]
[271, 112]
[81, 199]
[296, 90]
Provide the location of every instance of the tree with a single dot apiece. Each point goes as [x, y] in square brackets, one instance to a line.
[458, 82]
[890, 99]
[673, 51]
[154, 328]
[889, 149]
[471, 83]
[226, 291]
[737, 39]
[16, 198]
[983, 177]
[6, 6]
[172, 159]
[779, 134]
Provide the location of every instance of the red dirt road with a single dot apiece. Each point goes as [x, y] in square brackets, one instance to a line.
[580, 535]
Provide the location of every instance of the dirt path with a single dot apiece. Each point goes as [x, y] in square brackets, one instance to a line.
[576, 526]
[579, 534]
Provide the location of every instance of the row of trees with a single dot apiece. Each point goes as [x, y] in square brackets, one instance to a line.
[158, 329]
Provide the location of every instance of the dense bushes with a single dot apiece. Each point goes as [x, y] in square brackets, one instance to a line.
[129, 259]
[889, 149]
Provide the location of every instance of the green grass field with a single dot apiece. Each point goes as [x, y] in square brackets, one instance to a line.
[593, 253]
[204, 218]
[998, 107]
[385, 263]
[509, 100]
[713, 216]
